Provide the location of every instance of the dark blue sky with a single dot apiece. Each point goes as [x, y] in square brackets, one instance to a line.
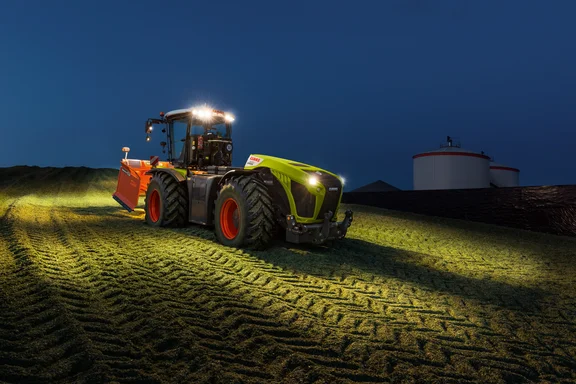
[354, 87]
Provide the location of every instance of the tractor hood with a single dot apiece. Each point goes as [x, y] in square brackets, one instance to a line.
[310, 176]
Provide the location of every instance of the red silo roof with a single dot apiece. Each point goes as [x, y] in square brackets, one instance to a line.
[501, 167]
[451, 151]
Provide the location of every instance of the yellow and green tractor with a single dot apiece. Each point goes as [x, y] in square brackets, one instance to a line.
[246, 206]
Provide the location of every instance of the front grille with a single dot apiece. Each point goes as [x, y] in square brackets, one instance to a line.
[305, 201]
[332, 198]
[330, 203]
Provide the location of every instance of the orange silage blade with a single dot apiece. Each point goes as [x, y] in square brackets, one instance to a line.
[128, 187]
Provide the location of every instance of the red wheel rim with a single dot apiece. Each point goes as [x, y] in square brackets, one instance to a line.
[229, 217]
[154, 206]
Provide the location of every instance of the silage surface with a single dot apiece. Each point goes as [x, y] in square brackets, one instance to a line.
[89, 293]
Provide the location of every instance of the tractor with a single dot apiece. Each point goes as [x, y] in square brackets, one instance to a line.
[248, 206]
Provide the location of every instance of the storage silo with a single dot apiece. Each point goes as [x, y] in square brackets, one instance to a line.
[504, 176]
[451, 167]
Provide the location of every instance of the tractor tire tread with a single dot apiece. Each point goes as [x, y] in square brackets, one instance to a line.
[261, 224]
[175, 200]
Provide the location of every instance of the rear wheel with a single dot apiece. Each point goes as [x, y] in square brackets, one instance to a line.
[166, 202]
[244, 215]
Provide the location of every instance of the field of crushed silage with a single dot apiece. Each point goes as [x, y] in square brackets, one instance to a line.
[89, 293]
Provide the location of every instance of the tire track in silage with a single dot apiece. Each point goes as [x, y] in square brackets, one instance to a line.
[76, 286]
[235, 322]
[299, 302]
[424, 325]
[313, 297]
[128, 303]
[269, 289]
[186, 334]
[257, 286]
[39, 338]
[101, 310]
[481, 343]
[500, 324]
[407, 342]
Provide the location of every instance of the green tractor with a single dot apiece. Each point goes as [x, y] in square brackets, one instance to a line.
[246, 206]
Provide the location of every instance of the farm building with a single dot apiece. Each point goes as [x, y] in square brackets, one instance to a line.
[377, 186]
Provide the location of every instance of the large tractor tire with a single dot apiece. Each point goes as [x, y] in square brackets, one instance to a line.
[166, 202]
[244, 215]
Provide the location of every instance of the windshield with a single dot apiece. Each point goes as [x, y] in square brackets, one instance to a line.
[178, 129]
[218, 129]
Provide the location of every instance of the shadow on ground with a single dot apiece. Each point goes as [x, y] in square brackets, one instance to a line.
[389, 262]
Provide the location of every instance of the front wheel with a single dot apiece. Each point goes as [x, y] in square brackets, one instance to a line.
[244, 214]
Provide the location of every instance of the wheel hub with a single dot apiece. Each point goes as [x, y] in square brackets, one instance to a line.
[154, 206]
[229, 219]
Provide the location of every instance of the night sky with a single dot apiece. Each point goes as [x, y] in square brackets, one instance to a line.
[355, 87]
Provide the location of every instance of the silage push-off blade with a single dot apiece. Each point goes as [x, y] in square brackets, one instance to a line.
[128, 188]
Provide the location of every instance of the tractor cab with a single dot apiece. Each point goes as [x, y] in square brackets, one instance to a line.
[196, 138]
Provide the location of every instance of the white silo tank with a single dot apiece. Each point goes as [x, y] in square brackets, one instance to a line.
[451, 167]
[504, 176]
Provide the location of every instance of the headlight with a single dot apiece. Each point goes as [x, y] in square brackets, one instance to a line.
[229, 118]
[229, 147]
[313, 180]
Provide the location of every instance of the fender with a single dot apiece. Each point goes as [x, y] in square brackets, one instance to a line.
[172, 172]
[273, 185]
[236, 172]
